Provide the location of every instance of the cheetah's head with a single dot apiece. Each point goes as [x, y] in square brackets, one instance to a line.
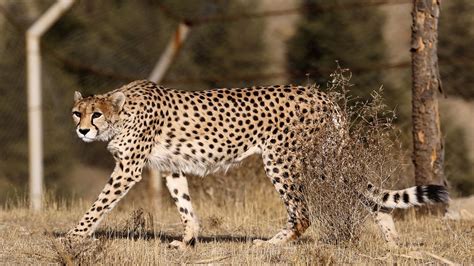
[96, 116]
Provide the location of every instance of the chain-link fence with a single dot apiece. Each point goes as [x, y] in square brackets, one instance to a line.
[100, 45]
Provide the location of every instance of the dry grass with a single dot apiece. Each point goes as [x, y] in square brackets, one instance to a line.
[128, 237]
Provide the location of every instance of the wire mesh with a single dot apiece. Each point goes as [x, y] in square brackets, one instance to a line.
[100, 45]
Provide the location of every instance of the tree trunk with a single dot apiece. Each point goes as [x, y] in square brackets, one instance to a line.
[428, 153]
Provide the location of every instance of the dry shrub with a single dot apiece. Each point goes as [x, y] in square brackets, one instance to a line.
[69, 251]
[214, 221]
[338, 161]
[77, 251]
[138, 223]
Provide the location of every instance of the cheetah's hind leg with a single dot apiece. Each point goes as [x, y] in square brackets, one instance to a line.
[287, 185]
[385, 222]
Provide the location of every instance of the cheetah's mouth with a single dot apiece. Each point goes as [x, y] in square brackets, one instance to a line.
[86, 139]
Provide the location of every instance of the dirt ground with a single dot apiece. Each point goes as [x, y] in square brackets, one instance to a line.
[135, 234]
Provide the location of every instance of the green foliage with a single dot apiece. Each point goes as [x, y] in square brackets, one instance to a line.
[456, 56]
[459, 168]
[215, 50]
[456, 61]
[352, 37]
[13, 116]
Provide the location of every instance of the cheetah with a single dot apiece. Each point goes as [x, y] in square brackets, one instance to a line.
[183, 133]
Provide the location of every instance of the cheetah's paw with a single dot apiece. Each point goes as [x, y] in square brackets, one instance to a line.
[180, 245]
[261, 242]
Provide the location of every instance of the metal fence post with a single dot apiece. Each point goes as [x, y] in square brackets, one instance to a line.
[172, 49]
[35, 130]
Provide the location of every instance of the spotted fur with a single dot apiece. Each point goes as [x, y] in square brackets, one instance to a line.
[201, 132]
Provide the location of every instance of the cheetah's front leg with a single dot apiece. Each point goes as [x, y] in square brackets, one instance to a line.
[178, 186]
[120, 182]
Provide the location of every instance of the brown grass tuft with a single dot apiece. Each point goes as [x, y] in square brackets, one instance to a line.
[138, 223]
[67, 251]
[338, 161]
[214, 221]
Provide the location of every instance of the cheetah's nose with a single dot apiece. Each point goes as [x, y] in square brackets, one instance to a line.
[83, 131]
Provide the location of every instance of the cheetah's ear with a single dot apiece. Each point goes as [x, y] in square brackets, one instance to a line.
[77, 96]
[118, 100]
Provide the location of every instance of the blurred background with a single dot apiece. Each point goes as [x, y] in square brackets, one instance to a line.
[99, 45]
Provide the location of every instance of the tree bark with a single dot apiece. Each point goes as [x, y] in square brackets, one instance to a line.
[428, 152]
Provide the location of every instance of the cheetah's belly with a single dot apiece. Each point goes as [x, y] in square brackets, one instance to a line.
[165, 160]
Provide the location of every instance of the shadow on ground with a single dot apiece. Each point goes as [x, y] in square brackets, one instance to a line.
[163, 237]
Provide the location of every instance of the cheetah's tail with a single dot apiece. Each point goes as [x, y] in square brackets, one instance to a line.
[405, 198]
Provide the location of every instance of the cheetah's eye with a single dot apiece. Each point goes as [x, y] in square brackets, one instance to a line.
[96, 115]
[77, 114]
